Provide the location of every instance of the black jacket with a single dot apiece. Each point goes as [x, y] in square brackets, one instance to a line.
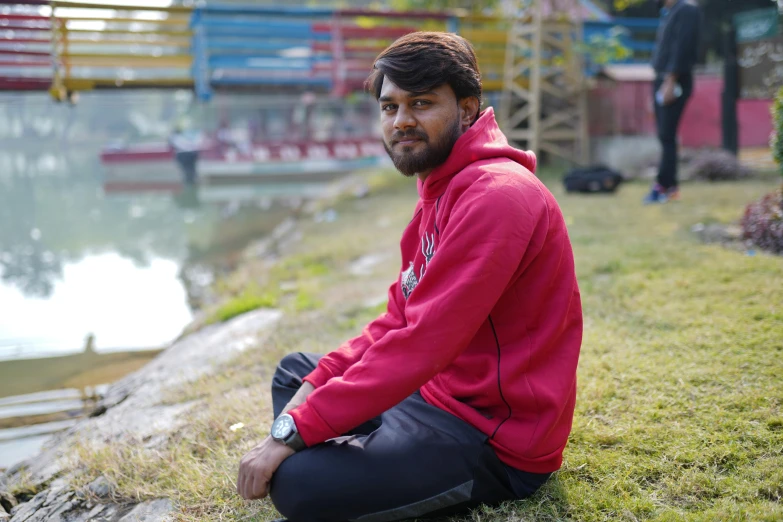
[677, 41]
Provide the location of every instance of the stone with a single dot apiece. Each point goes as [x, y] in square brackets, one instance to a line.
[56, 494]
[100, 487]
[56, 514]
[94, 512]
[23, 511]
[7, 501]
[153, 511]
[99, 513]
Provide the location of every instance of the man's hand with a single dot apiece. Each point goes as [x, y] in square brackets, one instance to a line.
[257, 467]
[667, 89]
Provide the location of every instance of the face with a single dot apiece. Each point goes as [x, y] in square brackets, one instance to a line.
[419, 130]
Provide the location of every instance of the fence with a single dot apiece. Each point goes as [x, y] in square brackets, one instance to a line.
[25, 47]
[69, 46]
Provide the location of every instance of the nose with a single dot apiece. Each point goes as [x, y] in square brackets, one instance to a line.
[404, 119]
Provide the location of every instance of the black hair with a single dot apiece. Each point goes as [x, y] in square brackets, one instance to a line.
[421, 61]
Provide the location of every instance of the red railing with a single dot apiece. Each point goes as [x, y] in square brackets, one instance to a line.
[25, 46]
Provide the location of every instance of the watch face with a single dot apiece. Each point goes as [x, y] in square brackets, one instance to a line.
[282, 427]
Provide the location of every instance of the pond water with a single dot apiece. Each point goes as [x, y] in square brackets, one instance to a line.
[93, 284]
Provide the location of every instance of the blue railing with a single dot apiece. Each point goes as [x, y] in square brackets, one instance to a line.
[246, 45]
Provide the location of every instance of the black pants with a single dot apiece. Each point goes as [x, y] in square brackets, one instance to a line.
[415, 460]
[667, 121]
[187, 161]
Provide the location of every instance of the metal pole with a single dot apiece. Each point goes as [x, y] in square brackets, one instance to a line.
[730, 96]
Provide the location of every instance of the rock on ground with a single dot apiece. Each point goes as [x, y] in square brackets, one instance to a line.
[130, 411]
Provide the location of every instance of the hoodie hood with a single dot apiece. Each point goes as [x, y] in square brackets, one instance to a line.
[484, 140]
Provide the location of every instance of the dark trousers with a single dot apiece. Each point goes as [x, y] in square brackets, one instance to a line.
[187, 161]
[667, 121]
[415, 460]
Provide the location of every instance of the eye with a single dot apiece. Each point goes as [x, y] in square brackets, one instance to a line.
[388, 107]
[421, 103]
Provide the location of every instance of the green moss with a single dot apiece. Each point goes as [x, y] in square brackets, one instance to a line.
[246, 302]
[306, 301]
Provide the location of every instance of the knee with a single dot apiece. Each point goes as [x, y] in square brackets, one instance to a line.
[290, 361]
[287, 367]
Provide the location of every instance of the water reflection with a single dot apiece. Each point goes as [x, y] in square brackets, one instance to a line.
[95, 279]
[74, 260]
[123, 303]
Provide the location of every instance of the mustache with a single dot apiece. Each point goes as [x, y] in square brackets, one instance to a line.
[412, 133]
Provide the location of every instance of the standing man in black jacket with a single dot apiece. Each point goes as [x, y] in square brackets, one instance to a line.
[676, 51]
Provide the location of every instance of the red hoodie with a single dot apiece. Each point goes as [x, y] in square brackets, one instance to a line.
[490, 332]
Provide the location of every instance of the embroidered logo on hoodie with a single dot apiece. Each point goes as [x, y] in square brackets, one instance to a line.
[409, 279]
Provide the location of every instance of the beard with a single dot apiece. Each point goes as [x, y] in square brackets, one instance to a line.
[431, 155]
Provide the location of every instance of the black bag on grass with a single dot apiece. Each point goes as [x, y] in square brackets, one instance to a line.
[592, 179]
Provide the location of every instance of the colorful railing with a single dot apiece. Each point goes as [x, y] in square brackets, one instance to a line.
[25, 46]
[289, 48]
[69, 46]
[110, 46]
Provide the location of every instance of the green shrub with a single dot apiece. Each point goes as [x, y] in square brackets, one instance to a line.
[763, 222]
[718, 165]
[776, 140]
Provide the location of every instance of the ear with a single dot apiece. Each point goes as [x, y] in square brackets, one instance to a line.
[468, 112]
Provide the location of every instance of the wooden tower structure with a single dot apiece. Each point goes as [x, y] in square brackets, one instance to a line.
[544, 103]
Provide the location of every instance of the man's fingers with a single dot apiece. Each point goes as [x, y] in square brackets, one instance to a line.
[250, 485]
[259, 487]
[242, 484]
[245, 484]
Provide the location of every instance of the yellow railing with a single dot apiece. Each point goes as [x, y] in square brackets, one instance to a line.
[489, 37]
[134, 46]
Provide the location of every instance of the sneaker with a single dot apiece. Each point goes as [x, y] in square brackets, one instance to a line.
[673, 194]
[657, 195]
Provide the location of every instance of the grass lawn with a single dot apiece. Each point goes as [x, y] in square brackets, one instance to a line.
[680, 379]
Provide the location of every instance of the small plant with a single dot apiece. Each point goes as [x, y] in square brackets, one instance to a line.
[718, 165]
[763, 222]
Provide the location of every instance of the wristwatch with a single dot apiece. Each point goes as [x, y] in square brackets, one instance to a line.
[284, 431]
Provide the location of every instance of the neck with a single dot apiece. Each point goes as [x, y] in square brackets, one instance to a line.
[423, 175]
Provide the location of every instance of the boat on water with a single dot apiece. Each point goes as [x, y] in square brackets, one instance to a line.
[244, 141]
[155, 166]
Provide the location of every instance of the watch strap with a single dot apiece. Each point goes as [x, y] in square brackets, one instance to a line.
[295, 442]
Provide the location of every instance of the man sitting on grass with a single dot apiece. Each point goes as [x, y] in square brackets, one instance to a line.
[463, 392]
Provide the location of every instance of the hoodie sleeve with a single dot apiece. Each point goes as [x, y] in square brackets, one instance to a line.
[337, 362]
[480, 250]
[685, 44]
